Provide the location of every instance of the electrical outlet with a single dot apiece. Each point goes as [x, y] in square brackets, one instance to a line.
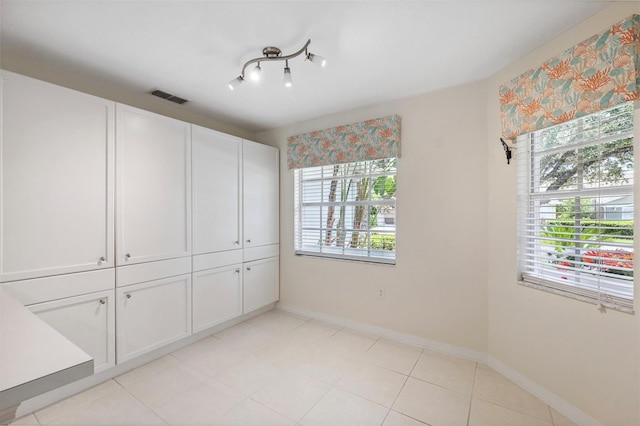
[381, 293]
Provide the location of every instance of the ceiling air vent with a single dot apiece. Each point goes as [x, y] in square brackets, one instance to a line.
[168, 96]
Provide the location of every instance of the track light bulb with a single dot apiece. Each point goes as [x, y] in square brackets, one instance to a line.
[235, 82]
[255, 74]
[317, 59]
[288, 82]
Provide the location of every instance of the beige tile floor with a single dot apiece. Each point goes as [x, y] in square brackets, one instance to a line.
[282, 369]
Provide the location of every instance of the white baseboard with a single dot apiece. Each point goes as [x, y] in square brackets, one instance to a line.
[410, 339]
[565, 408]
[570, 411]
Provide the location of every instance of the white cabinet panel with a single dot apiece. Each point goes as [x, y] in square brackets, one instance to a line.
[261, 252]
[88, 321]
[39, 290]
[151, 315]
[261, 283]
[149, 271]
[216, 191]
[261, 202]
[56, 180]
[217, 296]
[153, 188]
[216, 260]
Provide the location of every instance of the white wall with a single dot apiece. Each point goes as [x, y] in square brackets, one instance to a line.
[586, 357]
[437, 289]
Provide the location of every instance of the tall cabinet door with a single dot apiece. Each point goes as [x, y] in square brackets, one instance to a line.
[56, 180]
[216, 162]
[261, 202]
[153, 188]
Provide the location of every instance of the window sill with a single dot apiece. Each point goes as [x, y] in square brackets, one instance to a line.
[581, 298]
[353, 259]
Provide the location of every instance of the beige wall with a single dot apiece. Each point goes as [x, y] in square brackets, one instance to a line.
[437, 289]
[455, 278]
[588, 358]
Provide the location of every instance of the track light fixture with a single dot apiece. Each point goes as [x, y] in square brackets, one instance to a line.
[271, 53]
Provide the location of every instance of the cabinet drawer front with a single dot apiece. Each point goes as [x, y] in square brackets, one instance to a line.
[151, 315]
[216, 260]
[217, 296]
[56, 180]
[261, 283]
[135, 274]
[262, 252]
[39, 290]
[88, 321]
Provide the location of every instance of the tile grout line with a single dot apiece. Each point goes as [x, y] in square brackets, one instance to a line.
[553, 422]
[473, 389]
[403, 385]
[316, 403]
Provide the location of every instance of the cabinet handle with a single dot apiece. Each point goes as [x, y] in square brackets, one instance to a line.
[237, 242]
[248, 268]
[128, 295]
[237, 271]
[249, 240]
[102, 301]
[101, 260]
[127, 256]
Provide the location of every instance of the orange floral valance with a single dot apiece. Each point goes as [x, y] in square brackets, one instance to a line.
[601, 72]
[362, 141]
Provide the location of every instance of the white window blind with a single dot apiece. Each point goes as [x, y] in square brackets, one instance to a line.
[576, 208]
[347, 210]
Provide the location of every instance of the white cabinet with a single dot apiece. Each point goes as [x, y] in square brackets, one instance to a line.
[88, 321]
[216, 179]
[151, 315]
[261, 202]
[56, 180]
[96, 220]
[260, 283]
[217, 296]
[153, 191]
[235, 205]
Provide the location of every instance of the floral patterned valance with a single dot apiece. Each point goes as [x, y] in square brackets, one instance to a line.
[601, 72]
[367, 140]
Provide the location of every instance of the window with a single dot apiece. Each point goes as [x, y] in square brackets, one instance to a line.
[347, 210]
[576, 209]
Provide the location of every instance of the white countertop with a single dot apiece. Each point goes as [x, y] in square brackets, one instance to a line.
[34, 357]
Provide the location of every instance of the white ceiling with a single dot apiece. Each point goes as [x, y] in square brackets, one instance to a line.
[376, 51]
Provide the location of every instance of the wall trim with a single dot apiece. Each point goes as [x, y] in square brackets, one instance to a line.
[559, 404]
[564, 407]
[410, 339]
